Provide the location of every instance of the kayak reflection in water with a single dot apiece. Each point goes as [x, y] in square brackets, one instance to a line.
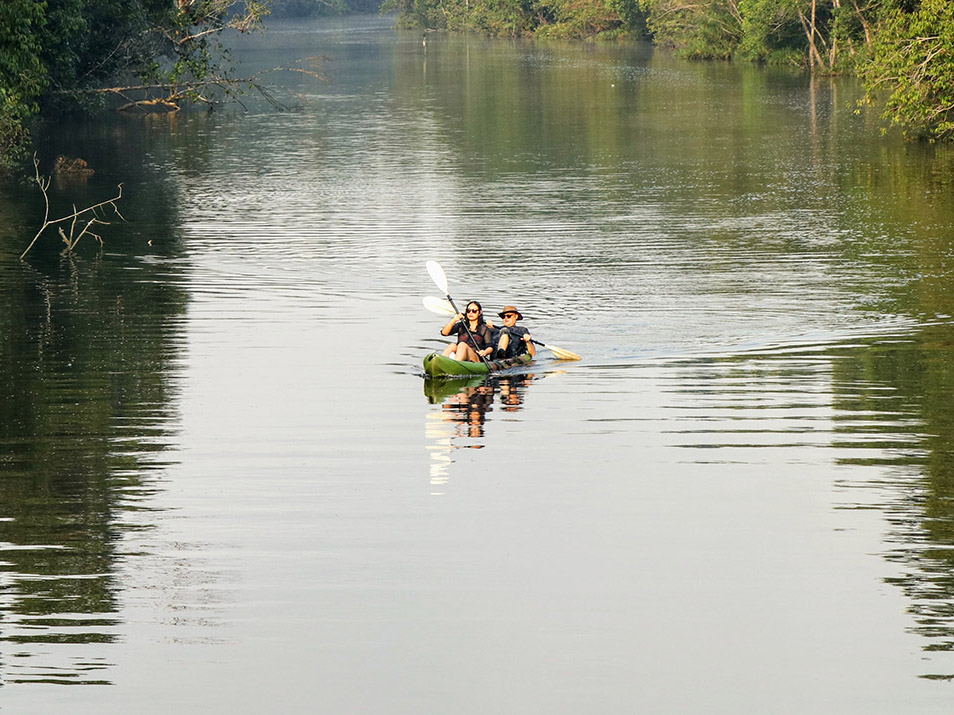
[469, 347]
[460, 422]
[467, 406]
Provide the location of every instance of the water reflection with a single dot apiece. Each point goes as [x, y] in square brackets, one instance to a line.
[85, 404]
[461, 422]
[894, 402]
[877, 408]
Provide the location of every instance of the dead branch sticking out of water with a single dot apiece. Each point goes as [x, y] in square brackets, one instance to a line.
[80, 221]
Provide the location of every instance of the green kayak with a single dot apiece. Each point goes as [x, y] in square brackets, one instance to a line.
[437, 365]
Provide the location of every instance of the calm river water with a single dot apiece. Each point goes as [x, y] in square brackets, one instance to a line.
[225, 486]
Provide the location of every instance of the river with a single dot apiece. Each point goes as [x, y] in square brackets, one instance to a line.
[225, 485]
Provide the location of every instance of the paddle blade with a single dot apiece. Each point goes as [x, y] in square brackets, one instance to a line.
[438, 276]
[438, 305]
[563, 354]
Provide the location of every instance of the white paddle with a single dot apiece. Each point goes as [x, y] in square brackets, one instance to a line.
[440, 280]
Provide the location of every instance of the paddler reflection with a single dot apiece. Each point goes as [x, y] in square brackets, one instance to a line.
[461, 421]
[512, 390]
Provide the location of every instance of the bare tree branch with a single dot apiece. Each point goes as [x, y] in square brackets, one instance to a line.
[91, 215]
[197, 90]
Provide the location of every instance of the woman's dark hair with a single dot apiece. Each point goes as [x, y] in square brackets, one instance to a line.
[480, 315]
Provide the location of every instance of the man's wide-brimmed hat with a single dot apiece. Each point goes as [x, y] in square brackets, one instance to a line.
[510, 309]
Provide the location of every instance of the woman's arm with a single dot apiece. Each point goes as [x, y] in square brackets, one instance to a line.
[451, 326]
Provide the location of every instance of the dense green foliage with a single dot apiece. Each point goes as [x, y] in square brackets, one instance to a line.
[63, 54]
[913, 62]
[544, 18]
[52, 51]
[22, 75]
[830, 35]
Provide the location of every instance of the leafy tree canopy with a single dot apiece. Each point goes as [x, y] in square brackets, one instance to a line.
[913, 64]
[23, 77]
[63, 54]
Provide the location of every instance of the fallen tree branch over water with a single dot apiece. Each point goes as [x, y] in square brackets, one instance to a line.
[80, 221]
[169, 96]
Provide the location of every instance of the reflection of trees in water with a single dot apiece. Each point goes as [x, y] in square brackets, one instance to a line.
[88, 345]
[84, 396]
[896, 403]
[463, 415]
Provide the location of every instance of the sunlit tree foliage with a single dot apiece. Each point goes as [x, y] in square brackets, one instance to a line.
[913, 64]
[702, 29]
[552, 18]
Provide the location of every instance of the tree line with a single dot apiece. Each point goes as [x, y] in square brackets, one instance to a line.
[903, 50]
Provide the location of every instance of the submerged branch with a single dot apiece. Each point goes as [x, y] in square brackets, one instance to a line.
[90, 215]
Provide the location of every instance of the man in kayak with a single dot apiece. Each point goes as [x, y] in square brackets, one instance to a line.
[512, 340]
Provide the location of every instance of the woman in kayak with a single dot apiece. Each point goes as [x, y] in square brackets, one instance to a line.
[469, 348]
